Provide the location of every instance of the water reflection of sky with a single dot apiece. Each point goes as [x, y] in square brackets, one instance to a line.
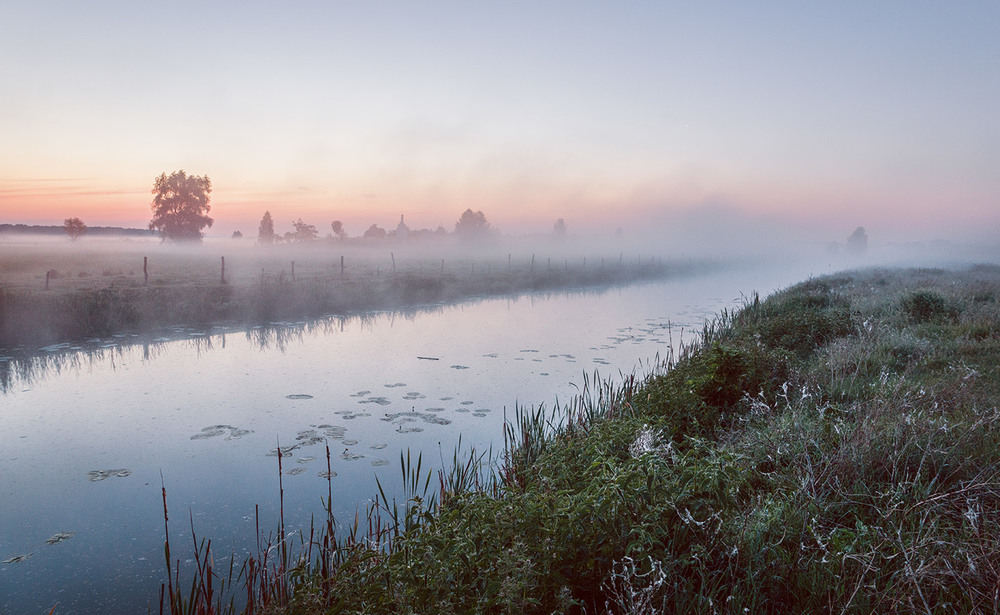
[371, 386]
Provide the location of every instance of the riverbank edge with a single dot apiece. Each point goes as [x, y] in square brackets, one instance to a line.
[831, 448]
[40, 317]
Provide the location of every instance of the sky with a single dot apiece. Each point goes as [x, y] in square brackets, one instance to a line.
[809, 117]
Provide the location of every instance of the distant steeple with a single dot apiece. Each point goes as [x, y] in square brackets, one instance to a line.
[401, 229]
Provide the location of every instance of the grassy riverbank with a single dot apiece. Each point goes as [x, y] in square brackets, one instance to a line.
[59, 292]
[833, 448]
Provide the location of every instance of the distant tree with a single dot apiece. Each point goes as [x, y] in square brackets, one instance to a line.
[265, 232]
[472, 225]
[303, 232]
[237, 235]
[338, 229]
[375, 232]
[74, 227]
[559, 228]
[180, 206]
[857, 242]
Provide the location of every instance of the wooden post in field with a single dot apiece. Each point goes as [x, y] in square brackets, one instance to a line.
[145, 270]
[549, 266]
[532, 263]
[393, 256]
[47, 274]
[621, 255]
[508, 262]
[341, 266]
[222, 277]
[293, 271]
[442, 266]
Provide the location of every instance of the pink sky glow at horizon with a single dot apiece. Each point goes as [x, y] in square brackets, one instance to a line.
[812, 118]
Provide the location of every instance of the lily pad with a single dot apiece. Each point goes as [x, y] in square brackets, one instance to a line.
[98, 475]
[217, 430]
[59, 537]
[16, 559]
[298, 396]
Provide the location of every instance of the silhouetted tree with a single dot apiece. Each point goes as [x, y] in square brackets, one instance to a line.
[265, 232]
[472, 225]
[857, 242]
[375, 232]
[237, 235]
[338, 229]
[74, 227]
[559, 228]
[303, 232]
[180, 206]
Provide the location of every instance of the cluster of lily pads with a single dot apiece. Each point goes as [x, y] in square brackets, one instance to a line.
[52, 540]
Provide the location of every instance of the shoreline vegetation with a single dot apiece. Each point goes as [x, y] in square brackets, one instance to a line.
[69, 293]
[833, 448]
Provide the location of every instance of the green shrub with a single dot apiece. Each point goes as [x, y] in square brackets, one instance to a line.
[927, 306]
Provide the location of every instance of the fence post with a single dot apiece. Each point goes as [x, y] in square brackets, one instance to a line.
[222, 277]
[393, 256]
[532, 263]
[145, 270]
[341, 266]
[293, 271]
[47, 274]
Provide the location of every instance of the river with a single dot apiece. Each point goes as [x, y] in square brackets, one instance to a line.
[91, 432]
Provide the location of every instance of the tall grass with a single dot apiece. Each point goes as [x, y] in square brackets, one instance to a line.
[833, 448]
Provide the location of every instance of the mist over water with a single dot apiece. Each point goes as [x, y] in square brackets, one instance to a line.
[90, 426]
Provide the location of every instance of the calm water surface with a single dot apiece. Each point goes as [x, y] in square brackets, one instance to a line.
[205, 411]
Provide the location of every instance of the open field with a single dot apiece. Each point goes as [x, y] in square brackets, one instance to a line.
[832, 448]
[57, 291]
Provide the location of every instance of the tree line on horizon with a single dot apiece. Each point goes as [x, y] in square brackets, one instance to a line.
[180, 210]
[181, 204]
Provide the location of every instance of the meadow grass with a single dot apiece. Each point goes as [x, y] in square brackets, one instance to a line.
[833, 448]
[58, 293]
